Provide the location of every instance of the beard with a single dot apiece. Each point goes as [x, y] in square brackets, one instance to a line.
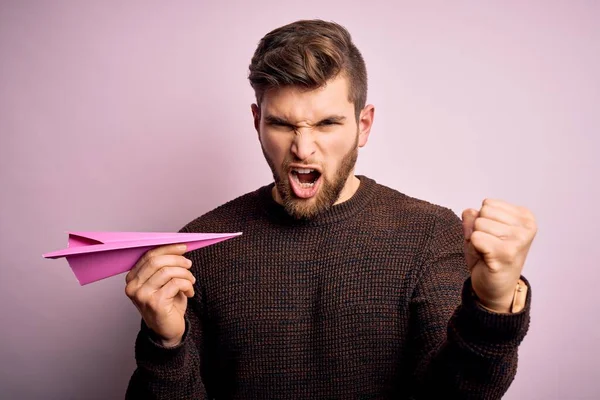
[328, 193]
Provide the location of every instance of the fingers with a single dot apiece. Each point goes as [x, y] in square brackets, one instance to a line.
[147, 297]
[511, 208]
[173, 249]
[155, 270]
[176, 285]
[495, 228]
[165, 274]
[156, 263]
[159, 281]
[507, 213]
[485, 243]
[499, 219]
[500, 215]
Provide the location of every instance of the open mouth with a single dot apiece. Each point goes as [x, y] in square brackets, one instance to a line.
[305, 177]
[305, 182]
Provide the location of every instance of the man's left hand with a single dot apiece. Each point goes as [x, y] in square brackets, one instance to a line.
[497, 240]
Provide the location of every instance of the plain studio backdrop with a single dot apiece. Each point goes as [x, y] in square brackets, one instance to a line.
[135, 116]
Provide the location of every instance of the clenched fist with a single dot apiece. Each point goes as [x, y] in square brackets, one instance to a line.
[159, 286]
[497, 240]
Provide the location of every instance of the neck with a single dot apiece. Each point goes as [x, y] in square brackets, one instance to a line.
[351, 186]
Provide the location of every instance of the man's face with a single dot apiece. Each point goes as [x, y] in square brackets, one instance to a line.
[310, 140]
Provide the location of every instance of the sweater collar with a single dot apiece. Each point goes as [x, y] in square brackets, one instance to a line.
[338, 212]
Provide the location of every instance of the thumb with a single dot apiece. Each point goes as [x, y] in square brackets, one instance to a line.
[468, 221]
[471, 255]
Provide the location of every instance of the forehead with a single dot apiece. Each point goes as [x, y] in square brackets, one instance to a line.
[295, 103]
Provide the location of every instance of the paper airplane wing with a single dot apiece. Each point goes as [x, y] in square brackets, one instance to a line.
[97, 255]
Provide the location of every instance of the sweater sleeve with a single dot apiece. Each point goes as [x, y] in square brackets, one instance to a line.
[171, 373]
[165, 373]
[461, 350]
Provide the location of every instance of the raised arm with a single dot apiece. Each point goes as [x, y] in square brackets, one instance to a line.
[461, 350]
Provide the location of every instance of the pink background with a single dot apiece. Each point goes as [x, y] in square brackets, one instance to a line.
[136, 116]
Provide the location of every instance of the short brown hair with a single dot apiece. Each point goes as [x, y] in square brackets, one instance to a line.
[307, 54]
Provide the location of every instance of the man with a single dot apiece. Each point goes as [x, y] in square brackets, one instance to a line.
[339, 288]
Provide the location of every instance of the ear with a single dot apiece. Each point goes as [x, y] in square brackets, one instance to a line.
[256, 117]
[365, 122]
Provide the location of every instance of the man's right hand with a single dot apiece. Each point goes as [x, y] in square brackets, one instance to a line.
[159, 285]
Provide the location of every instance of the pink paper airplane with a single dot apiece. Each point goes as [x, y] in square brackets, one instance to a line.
[97, 255]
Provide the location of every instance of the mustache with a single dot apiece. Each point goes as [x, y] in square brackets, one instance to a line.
[285, 165]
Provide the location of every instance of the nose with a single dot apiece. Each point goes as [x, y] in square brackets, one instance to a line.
[304, 144]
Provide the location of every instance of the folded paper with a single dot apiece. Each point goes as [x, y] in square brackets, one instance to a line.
[97, 255]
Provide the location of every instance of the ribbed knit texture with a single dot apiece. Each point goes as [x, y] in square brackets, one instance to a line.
[363, 302]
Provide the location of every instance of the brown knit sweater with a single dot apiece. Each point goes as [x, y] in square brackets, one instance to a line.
[363, 302]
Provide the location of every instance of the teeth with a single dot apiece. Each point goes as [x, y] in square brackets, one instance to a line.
[303, 185]
[303, 170]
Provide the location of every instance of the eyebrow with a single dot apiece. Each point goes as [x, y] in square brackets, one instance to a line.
[272, 119]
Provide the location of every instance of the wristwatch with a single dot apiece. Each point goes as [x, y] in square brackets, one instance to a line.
[520, 297]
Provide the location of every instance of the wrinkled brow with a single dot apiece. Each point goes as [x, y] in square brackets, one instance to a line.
[273, 119]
